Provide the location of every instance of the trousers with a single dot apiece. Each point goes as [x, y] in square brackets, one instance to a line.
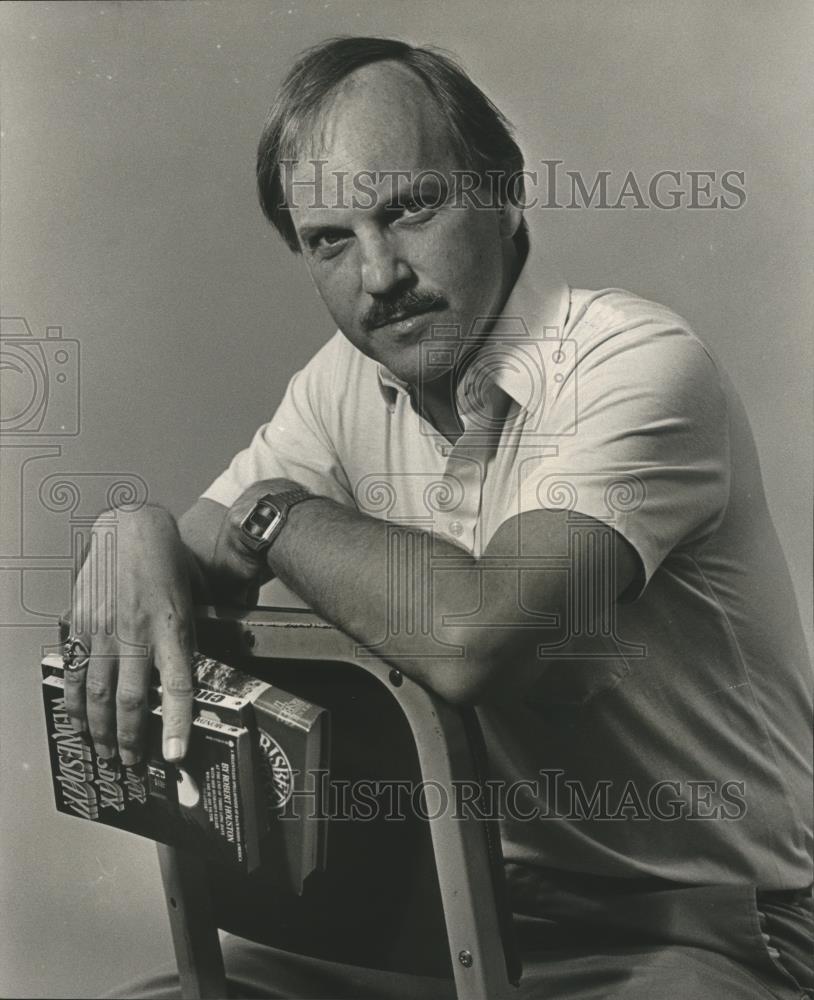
[578, 942]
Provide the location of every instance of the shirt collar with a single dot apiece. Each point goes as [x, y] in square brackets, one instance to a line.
[390, 386]
[537, 307]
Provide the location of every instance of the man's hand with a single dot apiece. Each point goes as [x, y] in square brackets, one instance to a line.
[133, 609]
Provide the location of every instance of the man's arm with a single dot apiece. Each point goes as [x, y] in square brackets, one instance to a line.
[200, 527]
[362, 574]
[136, 612]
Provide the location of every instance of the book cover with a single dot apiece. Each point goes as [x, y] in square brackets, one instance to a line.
[208, 803]
[249, 791]
[292, 737]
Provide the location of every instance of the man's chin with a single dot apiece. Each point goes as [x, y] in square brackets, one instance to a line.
[403, 372]
[408, 352]
[430, 378]
[400, 356]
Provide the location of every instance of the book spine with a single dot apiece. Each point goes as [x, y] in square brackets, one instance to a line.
[216, 676]
[288, 709]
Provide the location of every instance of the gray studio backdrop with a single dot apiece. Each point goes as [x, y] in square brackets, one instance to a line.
[129, 221]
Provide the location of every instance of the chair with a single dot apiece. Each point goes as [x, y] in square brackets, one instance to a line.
[429, 894]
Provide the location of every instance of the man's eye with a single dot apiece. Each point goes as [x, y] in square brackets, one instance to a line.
[423, 202]
[413, 205]
[409, 210]
[327, 244]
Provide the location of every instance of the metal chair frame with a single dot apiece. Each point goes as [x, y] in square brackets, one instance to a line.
[459, 844]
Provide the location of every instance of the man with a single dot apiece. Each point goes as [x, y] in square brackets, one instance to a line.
[604, 581]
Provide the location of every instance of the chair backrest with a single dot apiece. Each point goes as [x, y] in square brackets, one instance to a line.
[409, 894]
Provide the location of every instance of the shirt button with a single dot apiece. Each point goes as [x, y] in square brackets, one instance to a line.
[441, 448]
[456, 528]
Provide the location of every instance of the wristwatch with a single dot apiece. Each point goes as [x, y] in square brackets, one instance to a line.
[265, 520]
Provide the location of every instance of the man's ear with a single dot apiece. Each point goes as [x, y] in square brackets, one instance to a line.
[510, 218]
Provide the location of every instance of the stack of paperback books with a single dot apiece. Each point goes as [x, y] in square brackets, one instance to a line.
[255, 773]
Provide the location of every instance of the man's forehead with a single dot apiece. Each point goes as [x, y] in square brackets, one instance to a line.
[382, 118]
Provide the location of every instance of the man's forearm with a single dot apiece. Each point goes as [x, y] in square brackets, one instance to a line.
[372, 578]
[457, 623]
[201, 589]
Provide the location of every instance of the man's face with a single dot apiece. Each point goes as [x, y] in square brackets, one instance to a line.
[390, 258]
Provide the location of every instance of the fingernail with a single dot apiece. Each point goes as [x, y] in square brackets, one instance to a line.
[79, 725]
[129, 759]
[105, 754]
[175, 749]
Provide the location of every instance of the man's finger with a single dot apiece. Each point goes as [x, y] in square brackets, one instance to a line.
[174, 662]
[132, 704]
[74, 681]
[100, 701]
[75, 699]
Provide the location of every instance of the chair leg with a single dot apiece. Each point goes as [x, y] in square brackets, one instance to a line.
[194, 931]
[461, 858]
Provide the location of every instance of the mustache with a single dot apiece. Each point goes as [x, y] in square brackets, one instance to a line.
[409, 303]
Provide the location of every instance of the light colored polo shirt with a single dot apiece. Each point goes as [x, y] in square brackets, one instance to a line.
[670, 735]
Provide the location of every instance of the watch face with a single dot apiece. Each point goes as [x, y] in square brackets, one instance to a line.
[259, 525]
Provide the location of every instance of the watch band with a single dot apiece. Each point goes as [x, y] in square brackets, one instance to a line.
[290, 497]
[268, 515]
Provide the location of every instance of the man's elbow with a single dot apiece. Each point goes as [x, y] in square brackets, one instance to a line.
[468, 679]
[494, 662]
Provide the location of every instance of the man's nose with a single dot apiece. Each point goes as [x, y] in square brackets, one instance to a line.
[382, 266]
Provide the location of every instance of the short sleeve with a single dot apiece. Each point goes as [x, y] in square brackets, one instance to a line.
[299, 442]
[641, 436]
